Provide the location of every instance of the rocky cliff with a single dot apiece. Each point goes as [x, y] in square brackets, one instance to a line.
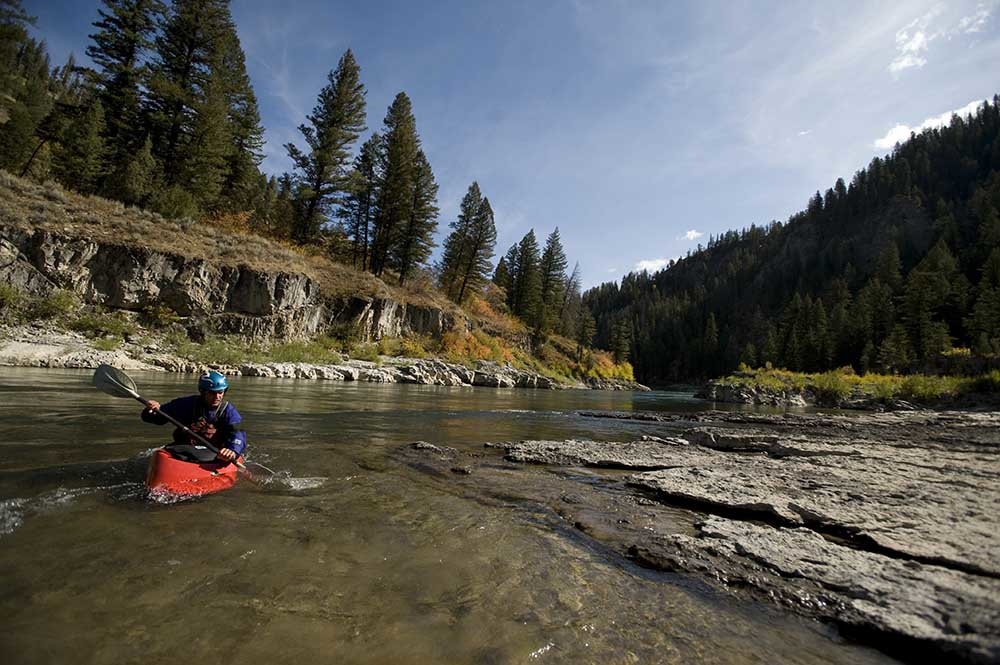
[230, 299]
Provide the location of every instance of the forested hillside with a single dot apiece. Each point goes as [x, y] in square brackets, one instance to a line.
[886, 273]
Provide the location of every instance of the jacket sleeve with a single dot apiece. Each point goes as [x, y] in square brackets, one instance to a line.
[179, 409]
[229, 434]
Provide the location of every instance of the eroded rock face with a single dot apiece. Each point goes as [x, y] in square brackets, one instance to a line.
[238, 300]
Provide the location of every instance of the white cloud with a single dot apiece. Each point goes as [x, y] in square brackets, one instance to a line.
[977, 20]
[805, 132]
[901, 133]
[693, 235]
[651, 265]
[913, 41]
[911, 46]
[611, 270]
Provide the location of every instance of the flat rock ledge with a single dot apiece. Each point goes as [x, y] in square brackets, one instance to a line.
[40, 346]
[886, 524]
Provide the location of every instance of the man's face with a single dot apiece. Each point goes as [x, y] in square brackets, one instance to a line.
[212, 398]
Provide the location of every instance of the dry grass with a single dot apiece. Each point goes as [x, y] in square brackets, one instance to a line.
[226, 240]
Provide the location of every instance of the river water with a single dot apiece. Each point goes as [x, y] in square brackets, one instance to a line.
[353, 555]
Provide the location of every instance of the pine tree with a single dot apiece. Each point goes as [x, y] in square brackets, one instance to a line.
[501, 275]
[585, 329]
[180, 71]
[553, 280]
[138, 177]
[335, 123]
[397, 170]
[457, 244]
[204, 169]
[526, 281]
[984, 322]
[469, 248]
[571, 302]
[357, 212]
[80, 160]
[124, 35]
[24, 95]
[416, 238]
[242, 181]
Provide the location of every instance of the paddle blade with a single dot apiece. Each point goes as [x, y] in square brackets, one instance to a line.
[114, 382]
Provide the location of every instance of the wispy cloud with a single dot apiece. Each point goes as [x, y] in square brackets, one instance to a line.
[805, 132]
[901, 133]
[652, 265]
[693, 235]
[976, 21]
[913, 41]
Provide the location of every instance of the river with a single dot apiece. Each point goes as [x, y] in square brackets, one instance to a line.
[355, 554]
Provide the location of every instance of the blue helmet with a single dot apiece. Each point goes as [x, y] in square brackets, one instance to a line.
[214, 381]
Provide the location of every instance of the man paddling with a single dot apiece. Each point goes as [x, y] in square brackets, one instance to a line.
[206, 413]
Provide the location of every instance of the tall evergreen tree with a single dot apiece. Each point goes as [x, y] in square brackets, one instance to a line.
[525, 299]
[120, 45]
[417, 234]
[80, 160]
[357, 213]
[466, 262]
[334, 125]
[571, 302]
[180, 72]
[553, 280]
[397, 170]
[24, 95]
[457, 244]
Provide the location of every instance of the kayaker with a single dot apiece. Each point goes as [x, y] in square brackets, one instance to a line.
[206, 413]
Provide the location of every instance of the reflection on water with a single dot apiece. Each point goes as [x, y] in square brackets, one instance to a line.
[348, 555]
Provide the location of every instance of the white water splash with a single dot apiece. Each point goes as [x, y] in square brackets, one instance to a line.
[538, 653]
[14, 511]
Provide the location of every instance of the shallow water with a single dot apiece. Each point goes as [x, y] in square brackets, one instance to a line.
[352, 555]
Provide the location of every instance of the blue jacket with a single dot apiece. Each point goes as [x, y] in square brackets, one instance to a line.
[191, 409]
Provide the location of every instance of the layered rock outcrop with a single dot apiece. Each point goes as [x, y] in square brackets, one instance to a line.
[884, 523]
[229, 299]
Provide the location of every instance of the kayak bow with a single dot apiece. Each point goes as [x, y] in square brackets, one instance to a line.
[166, 473]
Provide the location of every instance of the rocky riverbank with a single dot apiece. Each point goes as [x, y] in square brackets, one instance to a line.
[41, 346]
[885, 524]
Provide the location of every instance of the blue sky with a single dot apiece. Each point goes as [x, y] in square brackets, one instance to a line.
[638, 128]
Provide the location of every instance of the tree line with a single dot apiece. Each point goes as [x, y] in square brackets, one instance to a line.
[887, 273]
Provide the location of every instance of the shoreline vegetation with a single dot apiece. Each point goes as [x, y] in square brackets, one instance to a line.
[844, 388]
[57, 330]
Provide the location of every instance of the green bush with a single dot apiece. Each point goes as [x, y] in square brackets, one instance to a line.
[11, 304]
[59, 303]
[160, 316]
[98, 324]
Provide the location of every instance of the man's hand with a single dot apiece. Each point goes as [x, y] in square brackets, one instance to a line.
[153, 405]
[227, 455]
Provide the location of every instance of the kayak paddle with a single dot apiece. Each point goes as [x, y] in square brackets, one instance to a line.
[117, 383]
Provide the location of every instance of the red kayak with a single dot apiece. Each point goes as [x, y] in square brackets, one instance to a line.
[168, 474]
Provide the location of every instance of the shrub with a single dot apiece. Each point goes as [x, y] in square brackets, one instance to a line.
[160, 316]
[367, 352]
[98, 324]
[59, 303]
[11, 303]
